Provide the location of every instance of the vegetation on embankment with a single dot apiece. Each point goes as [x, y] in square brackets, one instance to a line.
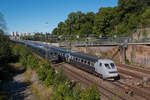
[63, 89]
[8, 64]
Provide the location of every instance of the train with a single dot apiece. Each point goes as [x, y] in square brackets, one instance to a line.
[104, 68]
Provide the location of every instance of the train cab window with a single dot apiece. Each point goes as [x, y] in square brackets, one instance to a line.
[107, 66]
[112, 65]
[100, 64]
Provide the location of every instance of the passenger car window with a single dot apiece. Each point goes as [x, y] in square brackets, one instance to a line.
[76, 59]
[107, 66]
[82, 60]
[112, 65]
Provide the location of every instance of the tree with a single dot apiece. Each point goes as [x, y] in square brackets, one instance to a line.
[2, 22]
[108, 21]
[145, 17]
[133, 6]
[104, 21]
[5, 51]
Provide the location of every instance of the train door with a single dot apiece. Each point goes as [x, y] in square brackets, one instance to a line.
[68, 57]
[99, 68]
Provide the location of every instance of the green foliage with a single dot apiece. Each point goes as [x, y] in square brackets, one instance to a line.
[145, 33]
[63, 88]
[46, 74]
[24, 53]
[5, 50]
[76, 92]
[50, 77]
[127, 61]
[42, 71]
[76, 24]
[108, 21]
[105, 20]
[42, 74]
[145, 17]
[133, 6]
[15, 49]
[59, 78]
[32, 61]
[90, 94]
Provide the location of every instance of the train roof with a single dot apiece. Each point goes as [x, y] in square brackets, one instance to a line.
[106, 60]
[90, 58]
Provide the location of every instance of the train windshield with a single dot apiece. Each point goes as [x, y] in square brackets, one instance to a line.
[107, 66]
[112, 65]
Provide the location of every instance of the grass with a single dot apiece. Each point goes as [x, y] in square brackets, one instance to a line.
[39, 91]
[17, 66]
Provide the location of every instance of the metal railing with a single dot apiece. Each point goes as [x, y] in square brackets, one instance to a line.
[109, 41]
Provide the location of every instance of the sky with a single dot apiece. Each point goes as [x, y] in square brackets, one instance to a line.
[44, 15]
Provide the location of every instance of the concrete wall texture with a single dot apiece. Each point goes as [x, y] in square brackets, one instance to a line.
[135, 54]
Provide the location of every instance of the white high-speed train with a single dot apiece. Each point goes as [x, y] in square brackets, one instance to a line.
[104, 68]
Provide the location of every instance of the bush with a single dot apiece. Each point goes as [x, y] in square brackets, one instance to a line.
[127, 61]
[23, 53]
[63, 90]
[50, 77]
[76, 92]
[90, 94]
[41, 74]
[59, 78]
[46, 74]
[32, 61]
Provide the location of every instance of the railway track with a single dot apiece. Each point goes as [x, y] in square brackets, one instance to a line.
[108, 89]
[141, 92]
[88, 83]
[146, 71]
[107, 93]
[135, 74]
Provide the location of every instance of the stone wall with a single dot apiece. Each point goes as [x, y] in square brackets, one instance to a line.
[135, 54]
[139, 54]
